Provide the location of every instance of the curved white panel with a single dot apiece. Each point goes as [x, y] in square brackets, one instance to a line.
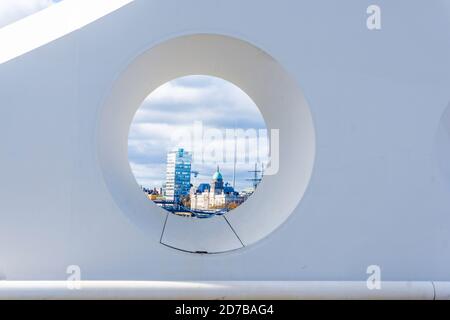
[52, 23]
[376, 97]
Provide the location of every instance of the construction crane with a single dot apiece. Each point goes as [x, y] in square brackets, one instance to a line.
[195, 173]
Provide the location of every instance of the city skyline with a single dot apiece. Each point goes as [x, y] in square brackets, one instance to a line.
[193, 173]
[178, 104]
[182, 196]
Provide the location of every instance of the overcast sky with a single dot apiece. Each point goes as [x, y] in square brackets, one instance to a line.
[178, 105]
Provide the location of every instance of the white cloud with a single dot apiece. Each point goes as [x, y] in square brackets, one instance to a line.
[211, 100]
[149, 175]
[13, 10]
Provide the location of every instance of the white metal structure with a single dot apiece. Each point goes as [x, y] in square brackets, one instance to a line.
[364, 139]
[221, 290]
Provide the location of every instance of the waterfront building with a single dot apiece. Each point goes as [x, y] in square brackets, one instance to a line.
[217, 195]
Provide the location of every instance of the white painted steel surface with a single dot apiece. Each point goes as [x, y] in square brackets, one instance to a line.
[378, 193]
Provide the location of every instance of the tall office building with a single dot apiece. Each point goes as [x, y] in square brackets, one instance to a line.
[178, 174]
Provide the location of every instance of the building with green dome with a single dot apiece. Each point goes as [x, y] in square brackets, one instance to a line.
[215, 196]
[217, 182]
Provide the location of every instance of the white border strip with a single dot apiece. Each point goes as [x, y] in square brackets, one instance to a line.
[226, 290]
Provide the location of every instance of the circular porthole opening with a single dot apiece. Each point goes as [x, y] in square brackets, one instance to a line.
[198, 146]
[286, 114]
